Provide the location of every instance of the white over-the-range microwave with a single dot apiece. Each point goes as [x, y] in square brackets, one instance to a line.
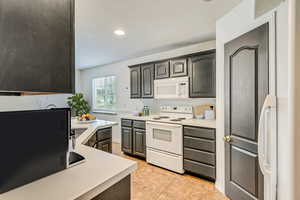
[172, 88]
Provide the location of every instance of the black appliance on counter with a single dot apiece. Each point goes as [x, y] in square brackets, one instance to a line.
[33, 144]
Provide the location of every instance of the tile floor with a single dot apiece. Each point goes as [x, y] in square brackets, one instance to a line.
[154, 183]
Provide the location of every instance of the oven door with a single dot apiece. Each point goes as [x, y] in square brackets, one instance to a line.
[164, 137]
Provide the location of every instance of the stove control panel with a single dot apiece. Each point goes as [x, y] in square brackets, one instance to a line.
[177, 109]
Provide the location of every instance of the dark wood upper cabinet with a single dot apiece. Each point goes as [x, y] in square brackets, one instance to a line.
[162, 70]
[135, 82]
[202, 72]
[147, 74]
[178, 67]
[37, 46]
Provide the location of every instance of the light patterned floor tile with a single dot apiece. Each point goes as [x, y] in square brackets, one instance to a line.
[154, 183]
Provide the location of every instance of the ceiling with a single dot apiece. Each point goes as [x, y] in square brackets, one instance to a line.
[150, 25]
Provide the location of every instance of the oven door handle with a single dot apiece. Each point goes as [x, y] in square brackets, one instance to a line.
[164, 124]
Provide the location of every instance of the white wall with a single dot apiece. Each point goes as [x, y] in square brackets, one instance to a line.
[263, 6]
[121, 71]
[239, 21]
[294, 88]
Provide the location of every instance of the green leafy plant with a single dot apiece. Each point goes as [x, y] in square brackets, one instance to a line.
[78, 104]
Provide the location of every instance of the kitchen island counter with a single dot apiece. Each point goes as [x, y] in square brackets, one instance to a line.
[99, 172]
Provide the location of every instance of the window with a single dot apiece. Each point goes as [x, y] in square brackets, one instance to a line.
[104, 94]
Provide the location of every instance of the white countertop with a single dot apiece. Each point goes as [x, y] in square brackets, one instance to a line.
[190, 122]
[100, 171]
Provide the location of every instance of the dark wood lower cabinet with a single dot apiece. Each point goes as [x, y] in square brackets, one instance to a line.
[139, 142]
[105, 145]
[101, 140]
[199, 151]
[134, 137]
[119, 191]
[126, 140]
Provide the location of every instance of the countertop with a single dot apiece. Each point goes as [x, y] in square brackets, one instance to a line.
[100, 171]
[190, 122]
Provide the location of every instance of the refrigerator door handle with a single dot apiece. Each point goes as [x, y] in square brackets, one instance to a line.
[267, 162]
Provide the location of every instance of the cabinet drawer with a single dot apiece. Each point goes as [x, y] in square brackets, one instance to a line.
[199, 132]
[104, 134]
[139, 124]
[199, 168]
[126, 122]
[200, 156]
[199, 144]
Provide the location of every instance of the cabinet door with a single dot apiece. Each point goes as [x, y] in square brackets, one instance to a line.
[178, 67]
[127, 140]
[202, 71]
[162, 70]
[37, 46]
[139, 142]
[105, 145]
[92, 141]
[135, 82]
[147, 74]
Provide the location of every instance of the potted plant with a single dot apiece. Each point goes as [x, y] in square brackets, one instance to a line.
[78, 104]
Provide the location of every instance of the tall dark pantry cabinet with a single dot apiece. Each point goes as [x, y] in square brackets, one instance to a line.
[246, 88]
[37, 46]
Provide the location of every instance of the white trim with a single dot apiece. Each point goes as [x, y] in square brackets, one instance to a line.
[104, 110]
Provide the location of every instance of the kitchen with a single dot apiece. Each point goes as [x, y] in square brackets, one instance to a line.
[171, 115]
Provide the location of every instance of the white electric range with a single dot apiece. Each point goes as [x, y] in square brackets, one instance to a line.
[164, 137]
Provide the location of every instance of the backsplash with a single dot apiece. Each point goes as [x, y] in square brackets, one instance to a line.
[15, 103]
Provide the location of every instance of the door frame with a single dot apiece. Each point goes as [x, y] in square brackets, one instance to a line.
[271, 19]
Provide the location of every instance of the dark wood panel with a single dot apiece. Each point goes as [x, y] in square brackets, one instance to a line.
[199, 132]
[126, 140]
[139, 124]
[105, 145]
[199, 156]
[126, 122]
[199, 168]
[104, 134]
[147, 74]
[119, 191]
[92, 141]
[243, 93]
[139, 142]
[244, 170]
[246, 86]
[199, 144]
[135, 82]
[178, 67]
[162, 70]
[202, 72]
[37, 46]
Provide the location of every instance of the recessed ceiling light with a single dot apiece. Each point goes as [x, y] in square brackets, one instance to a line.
[119, 32]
